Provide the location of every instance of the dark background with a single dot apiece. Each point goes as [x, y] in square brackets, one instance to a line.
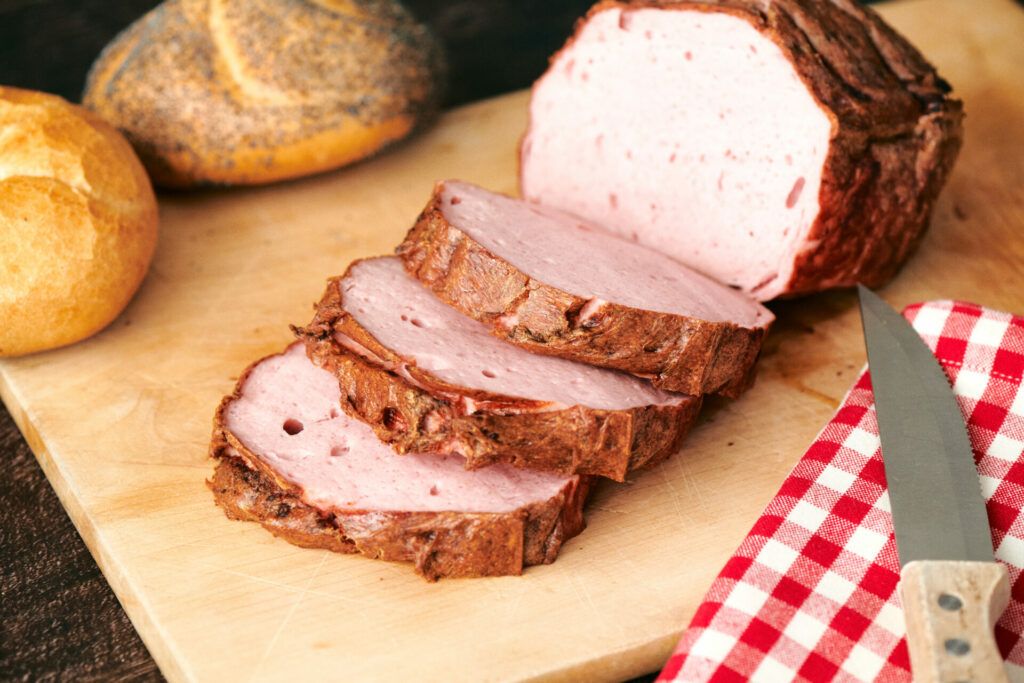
[494, 46]
[59, 620]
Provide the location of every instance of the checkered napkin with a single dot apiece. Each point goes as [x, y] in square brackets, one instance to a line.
[810, 595]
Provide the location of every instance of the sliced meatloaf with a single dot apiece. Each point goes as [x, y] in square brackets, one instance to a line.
[429, 379]
[290, 460]
[779, 146]
[556, 284]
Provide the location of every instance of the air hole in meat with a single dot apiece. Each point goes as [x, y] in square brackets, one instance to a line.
[338, 451]
[417, 322]
[648, 35]
[454, 200]
[292, 426]
[625, 19]
[753, 49]
[488, 373]
[405, 318]
[393, 420]
[334, 413]
[689, 55]
[433, 490]
[672, 158]
[613, 201]
[794, 194]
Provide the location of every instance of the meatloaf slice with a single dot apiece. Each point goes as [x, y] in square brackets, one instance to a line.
[556, 284]
[290, 460]
[780, 146]
[429, 379]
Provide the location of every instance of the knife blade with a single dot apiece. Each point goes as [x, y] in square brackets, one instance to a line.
[951, 587]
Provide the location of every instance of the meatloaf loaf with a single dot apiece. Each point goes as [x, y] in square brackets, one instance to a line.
[429, 379]
[779, 146]
[290, 460]
[556, 284]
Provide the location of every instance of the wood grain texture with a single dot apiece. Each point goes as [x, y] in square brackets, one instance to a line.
[61, 620]
[950, 610]
[120, 422]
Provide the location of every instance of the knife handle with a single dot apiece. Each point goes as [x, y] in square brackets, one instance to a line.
[951, 609]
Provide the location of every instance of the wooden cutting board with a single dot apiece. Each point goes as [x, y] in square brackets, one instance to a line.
[120, 422]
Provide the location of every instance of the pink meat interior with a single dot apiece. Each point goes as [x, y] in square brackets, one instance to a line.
[288, 417]
[687, 131]
[408, 319]
[573, 255]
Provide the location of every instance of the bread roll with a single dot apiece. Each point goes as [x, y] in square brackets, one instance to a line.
[78, 222]
[219, 92]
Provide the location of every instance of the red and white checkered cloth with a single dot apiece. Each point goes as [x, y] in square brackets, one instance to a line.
[810, 595]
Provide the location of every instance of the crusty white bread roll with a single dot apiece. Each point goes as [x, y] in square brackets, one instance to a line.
[221, 92]
[78, 222]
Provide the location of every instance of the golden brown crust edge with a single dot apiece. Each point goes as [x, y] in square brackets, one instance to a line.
[439, 544]
[414, 412]
[676, 353]
[896, 132]
[224, 109]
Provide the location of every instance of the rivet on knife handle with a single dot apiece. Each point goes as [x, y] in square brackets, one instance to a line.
[951, 608]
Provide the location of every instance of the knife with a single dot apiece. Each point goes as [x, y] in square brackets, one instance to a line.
[951, 586]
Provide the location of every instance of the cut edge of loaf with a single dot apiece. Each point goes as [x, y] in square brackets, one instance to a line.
[447, 544]
[414, 411]
[906, 139]
[675, 352]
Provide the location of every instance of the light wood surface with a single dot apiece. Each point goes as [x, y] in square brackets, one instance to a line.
[951, 609]
[120, 422]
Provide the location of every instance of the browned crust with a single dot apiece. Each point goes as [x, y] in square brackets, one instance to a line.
[261, 90]
[439, 544]
[415, 412]
[895, 132]
[677, 353]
